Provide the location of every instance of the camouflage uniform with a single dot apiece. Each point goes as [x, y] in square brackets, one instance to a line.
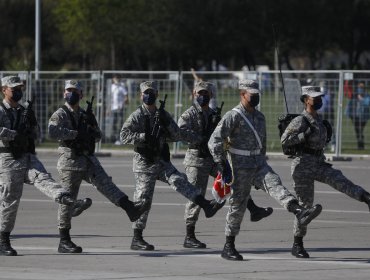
[15, 172]
[147, 171]
[309, 164]
[74, 168]
[248, 170]
[193, 124]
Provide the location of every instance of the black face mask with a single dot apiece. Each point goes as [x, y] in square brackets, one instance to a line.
[149, 98]
[203, 100]
[72, 98]
[17, 95]
[317, 105]
[254, 100]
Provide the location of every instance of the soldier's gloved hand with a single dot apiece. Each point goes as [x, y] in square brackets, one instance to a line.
[308, 132]
[91, 120]
[214, 119]
[11, 134]
[225, 170]
[73, 134]
[161, 114]
[30, 117]
[150, 139]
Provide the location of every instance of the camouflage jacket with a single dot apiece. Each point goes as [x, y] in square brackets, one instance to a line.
[193, 129]
[7, 160]
[233, 131]
[294, 133]
[133, 133]
[61, 128]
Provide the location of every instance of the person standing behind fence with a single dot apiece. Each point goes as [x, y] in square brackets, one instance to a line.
[196, 126]
[77, 131]
[119, 100]
[241, 136]
[149, 129]
[308, 133]
[18, 161]
[358, 110]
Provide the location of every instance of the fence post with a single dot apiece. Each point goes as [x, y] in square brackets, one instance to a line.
[338, 132]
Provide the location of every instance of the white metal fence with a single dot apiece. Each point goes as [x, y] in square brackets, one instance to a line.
[47, 90]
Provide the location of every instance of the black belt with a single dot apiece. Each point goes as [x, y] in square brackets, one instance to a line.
[5, 150]
[312, 151]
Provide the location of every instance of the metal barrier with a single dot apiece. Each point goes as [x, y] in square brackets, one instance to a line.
[340, 88]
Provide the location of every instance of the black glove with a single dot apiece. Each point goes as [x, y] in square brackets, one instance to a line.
[161, 114]
[31, 117]
[214, 119]
[329, 130]
[308, 132]
[90, 119]
[225, 169]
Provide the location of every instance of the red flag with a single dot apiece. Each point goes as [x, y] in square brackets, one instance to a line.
[221, 190]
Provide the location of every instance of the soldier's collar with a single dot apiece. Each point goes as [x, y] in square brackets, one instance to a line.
[69, 107]
[7, 105]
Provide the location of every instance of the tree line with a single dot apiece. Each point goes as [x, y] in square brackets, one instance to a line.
[179, 34]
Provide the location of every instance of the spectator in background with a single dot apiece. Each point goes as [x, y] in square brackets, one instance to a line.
[358, 110]
[119, 98]
[327, 109]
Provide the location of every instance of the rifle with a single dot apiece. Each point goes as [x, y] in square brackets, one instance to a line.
[285, 119]
[24, 141]
[85, 140]
[157, 128]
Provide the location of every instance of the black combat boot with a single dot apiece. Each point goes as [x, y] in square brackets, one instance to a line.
[304, 215]
[80, 206]
[5, 247]
[190, 240]
[298, 250]
[134, 209]
[366, 198]
[210, 207]
[229, 252]
[138, 243]
[258, 213]
[65, 244]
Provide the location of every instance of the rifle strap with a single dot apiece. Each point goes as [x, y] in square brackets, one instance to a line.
[251, 126]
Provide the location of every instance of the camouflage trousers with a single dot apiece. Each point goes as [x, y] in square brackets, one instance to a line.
[145, 184]
[11, 187]
[198, 177]
[95, 175]
[263, 178]
[308, 169]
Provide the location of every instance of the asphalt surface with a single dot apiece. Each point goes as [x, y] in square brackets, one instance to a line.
[338, 240]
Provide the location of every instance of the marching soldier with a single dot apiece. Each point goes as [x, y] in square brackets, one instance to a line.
[19, 164]
[149, 129]
[196, 125]
[77, 131]
[308, 134]
[243, 130]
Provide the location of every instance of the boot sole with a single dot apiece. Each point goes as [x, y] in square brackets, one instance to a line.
[9, 254]
[312, 216]
[63, 251]
[232, 259]
[136, 248]
[195, 247]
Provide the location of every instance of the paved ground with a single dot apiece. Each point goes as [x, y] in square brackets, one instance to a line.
[338, 239]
